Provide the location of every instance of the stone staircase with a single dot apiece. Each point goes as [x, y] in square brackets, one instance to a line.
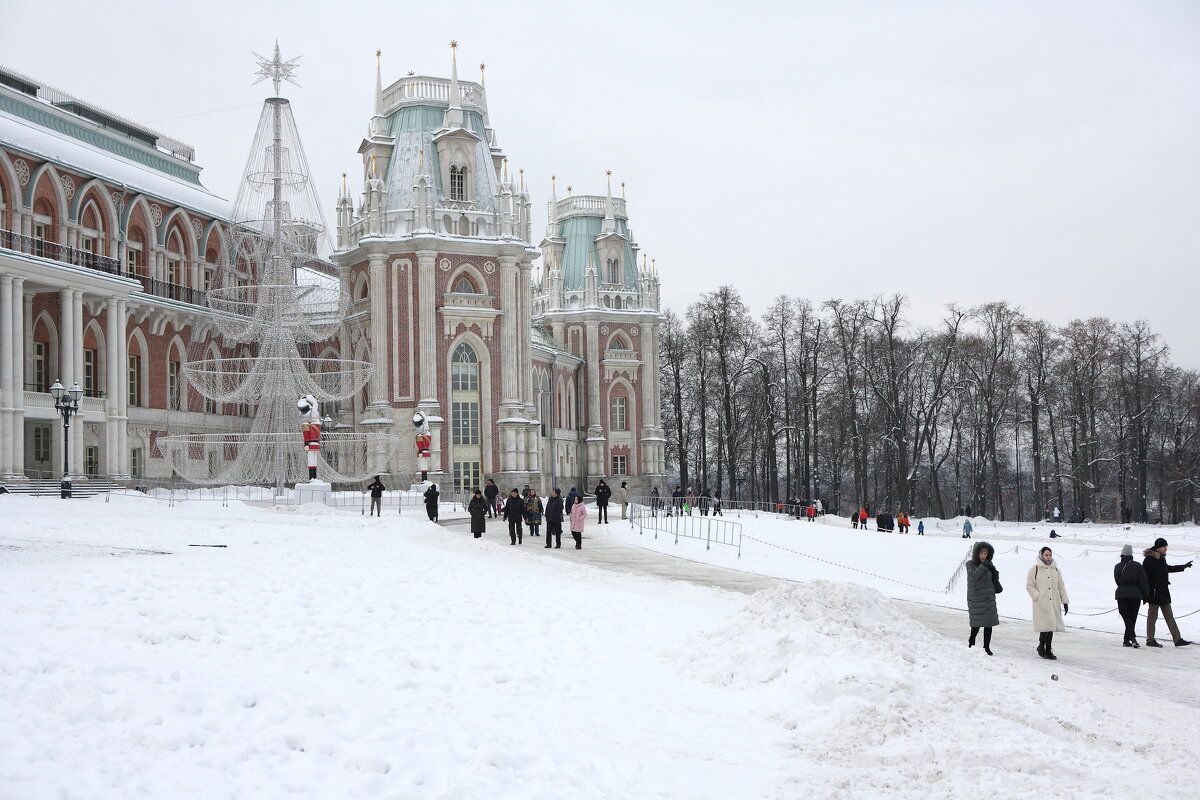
[50, 488]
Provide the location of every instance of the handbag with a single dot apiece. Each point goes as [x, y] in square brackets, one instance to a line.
[996, 582]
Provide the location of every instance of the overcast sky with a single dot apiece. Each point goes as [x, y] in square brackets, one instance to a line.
[1046, 153]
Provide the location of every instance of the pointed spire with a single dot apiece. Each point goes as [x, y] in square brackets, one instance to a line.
[378, 83]
[345, 188]
[454, 114]
[521, 172]
[622, 190]
[610, 222]
[482, 81]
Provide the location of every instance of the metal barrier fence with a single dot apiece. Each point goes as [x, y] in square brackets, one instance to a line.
[650, 514]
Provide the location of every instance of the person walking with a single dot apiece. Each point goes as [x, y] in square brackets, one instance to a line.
[705, 501]
[533, 512]
[490, 492]
[603, 493]
[862, 518]
[920, 527]
[578, 520]
[716, 505]
[1157, 569]
[983, 584]
[677, 499]
[1049, 594]
[623, 494]
[689, 501]
[572, 499]
[554, 518]
[478, 508]
[811, 512]
[431, 502]
[514, 512]
[375, 487]
[854, 519]
[967, 528]
[655, 501]
[820, 508]
[1133, 589]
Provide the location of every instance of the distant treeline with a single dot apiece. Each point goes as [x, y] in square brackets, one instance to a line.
[850, 402]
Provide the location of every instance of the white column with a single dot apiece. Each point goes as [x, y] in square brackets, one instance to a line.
[122, 369]
[510, 347]
[7, 354]
[426, 290]
[112, 376]
[66, 337]
[593, 373]
[77, 350]
[22, 336]
[379, 340]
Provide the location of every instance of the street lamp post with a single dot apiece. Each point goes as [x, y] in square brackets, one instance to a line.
[67, 403]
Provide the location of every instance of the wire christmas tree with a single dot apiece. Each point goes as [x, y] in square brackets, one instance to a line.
[276, 300]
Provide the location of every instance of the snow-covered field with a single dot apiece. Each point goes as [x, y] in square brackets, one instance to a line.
[919, 568]
[322, 654]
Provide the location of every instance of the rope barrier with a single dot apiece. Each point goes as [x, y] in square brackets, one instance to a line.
[844, 566]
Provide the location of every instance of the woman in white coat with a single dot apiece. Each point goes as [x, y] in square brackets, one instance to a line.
[1045, 585]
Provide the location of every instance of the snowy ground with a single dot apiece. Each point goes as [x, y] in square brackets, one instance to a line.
[322, 654]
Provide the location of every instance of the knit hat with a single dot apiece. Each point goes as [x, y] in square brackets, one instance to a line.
[1127, 550]
[1160, 542]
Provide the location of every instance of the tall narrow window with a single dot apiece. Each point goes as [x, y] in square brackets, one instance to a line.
[620, 465]
[89, 373]
[135, 462]
[617, 418]
[39, 367]
[41, 443]
[614, 270]
[135, 382]
[173, 384]
[458, 183]
[465, 439]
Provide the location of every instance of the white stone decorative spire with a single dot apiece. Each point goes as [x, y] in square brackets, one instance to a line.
[610, 222]
[378, 126]
[591, 297]
[454, 114]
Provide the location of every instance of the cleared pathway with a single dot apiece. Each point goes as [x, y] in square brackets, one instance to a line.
[1168, 673]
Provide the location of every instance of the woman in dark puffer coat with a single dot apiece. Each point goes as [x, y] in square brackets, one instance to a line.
[982, 581]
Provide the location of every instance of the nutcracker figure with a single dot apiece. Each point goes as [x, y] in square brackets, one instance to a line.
[424, 442]
[310, 428]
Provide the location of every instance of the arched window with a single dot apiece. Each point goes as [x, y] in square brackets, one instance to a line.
[466, 452]
[614, 270]
[618, 344]
[464, 226]
[458, 183]
[464, 286]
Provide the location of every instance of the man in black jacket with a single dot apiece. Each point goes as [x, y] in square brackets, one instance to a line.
[514, 512]
[375, 487]
[554, 518]
[1132, 590]
[1155, 564]
[490, 492]
[602, 494]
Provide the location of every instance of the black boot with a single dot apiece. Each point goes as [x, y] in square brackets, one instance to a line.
[974, 633]
[1049, 646]
[1041, 648]
[987, 641]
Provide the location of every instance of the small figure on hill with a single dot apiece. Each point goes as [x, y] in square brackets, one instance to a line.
[677, 498]
[603, 494]
[554, 518]
[689, 501]
[375, 487]
[1133, 589]
[1155, 564]
[705, 501]
[920, 527]
[533, 512]
[862, 518]
[623, 495]
[514, 512]
[578, 519]
[655, 501]
[490, 492]
[431, 502]
[478, 508]
[983, 584]
[716, 506]
[967, 528]
[1049, 594]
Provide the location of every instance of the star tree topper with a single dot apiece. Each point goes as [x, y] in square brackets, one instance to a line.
[277, 69]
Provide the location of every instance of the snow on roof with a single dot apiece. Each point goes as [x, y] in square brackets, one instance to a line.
[42, 142]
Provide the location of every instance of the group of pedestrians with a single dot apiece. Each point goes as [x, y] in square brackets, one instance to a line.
[1146, 582]
[801, 509]
[886, 523]
[687, 502]
[528, 510]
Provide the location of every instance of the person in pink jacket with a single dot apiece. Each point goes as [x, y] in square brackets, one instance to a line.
[578, 518]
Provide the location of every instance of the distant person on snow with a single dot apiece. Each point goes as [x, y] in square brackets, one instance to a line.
[554, 518]
[983, 584]
[431, 502]
[514, 512]
[603, 493]
[490, 492]
[533, 512]
[862, 518]
[967, 527]
[1049, 594]
[578, 520]
[375, 487]
[716, 506]
[623, 494]
[478, 508]
[1155, 564]
[1133, 589]
[689, 501]
[920, 527]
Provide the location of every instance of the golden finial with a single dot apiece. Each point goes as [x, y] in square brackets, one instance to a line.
[608, 172]
[378, 53]
[569, 188]
[411, 73]
[482, 67]
[622, 190]
[345, 189]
